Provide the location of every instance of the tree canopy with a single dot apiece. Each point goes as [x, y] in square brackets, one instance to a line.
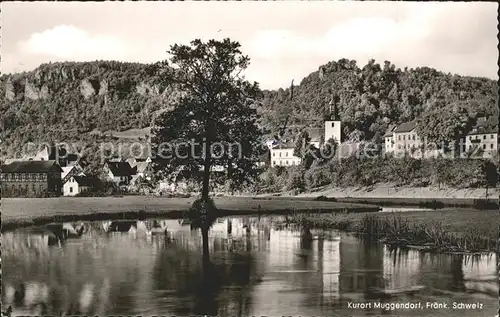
[214, 123]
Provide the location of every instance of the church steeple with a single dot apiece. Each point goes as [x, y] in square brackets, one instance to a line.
[333, 109]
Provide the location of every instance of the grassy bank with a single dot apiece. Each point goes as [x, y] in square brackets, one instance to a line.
[436, 203]
[20, 212]
[444, 230]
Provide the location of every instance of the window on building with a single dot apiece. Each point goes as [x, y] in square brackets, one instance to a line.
[491, 145]
[286, 154]
[414, 137]
[333, 124]
[484, 146]
[280, 154]
[404, 137]
[286, 163]
[274, 154]
[274, 162]
[71, 189]
[484, 137]
[492, 136]
[399, 138]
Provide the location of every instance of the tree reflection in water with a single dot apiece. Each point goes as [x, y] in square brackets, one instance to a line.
[204, 285]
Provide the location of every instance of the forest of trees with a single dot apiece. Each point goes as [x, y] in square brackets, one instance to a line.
[68, 101]
[372, 98]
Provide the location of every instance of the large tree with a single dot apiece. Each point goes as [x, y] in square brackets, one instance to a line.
[214, 122]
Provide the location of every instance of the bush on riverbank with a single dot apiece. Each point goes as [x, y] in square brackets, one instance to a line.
[423, 230]
[407, 171]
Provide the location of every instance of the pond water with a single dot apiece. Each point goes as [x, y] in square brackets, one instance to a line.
[405, 209]
[138, 268]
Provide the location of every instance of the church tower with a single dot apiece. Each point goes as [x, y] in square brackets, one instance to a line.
[333, 123]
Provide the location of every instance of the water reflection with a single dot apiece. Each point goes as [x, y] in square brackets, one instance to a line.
[403, 209]
[156, 267]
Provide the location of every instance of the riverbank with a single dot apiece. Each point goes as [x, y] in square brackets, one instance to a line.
[21, 212]
[444, 230]
[391, 191]
[390, 195]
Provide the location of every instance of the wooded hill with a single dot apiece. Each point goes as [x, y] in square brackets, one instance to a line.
[82, 101]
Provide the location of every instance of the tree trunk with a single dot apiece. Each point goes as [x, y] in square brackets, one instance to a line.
[207, 162]
[206, 181]
[206, 252]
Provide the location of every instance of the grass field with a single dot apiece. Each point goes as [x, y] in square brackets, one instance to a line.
[27, 211]
[460, 230]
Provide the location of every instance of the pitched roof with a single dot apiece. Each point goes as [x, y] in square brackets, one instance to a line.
[406, 127]
[483, 130]
[142, 166]
[86, 180]
[66, 170]
[120, 168]
[72, 157]
[131, 161]
[31, 167]
[485, 125]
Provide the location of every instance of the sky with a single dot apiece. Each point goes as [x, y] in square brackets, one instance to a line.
[285, 40]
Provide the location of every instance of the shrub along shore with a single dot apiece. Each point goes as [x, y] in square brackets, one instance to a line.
[444, 230]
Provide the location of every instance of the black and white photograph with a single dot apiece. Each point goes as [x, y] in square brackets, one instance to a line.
[249, 158]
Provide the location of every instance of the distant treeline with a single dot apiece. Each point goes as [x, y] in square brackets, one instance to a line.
[353, 171]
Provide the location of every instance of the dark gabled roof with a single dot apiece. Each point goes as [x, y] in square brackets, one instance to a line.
[121, 168]
[406, 127]
[31, 167]
[72, 157]
[483, 130]
[86, 180]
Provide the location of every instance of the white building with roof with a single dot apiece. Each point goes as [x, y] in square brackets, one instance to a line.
[282, 152]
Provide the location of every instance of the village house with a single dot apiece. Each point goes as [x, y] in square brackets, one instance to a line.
[406, 139]
[78, 184]
[119, 172]
[482, 138]
[403, 139]
[31, 179]
[67, 179]
[282, 155]
[282, 152]
[144, 169]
